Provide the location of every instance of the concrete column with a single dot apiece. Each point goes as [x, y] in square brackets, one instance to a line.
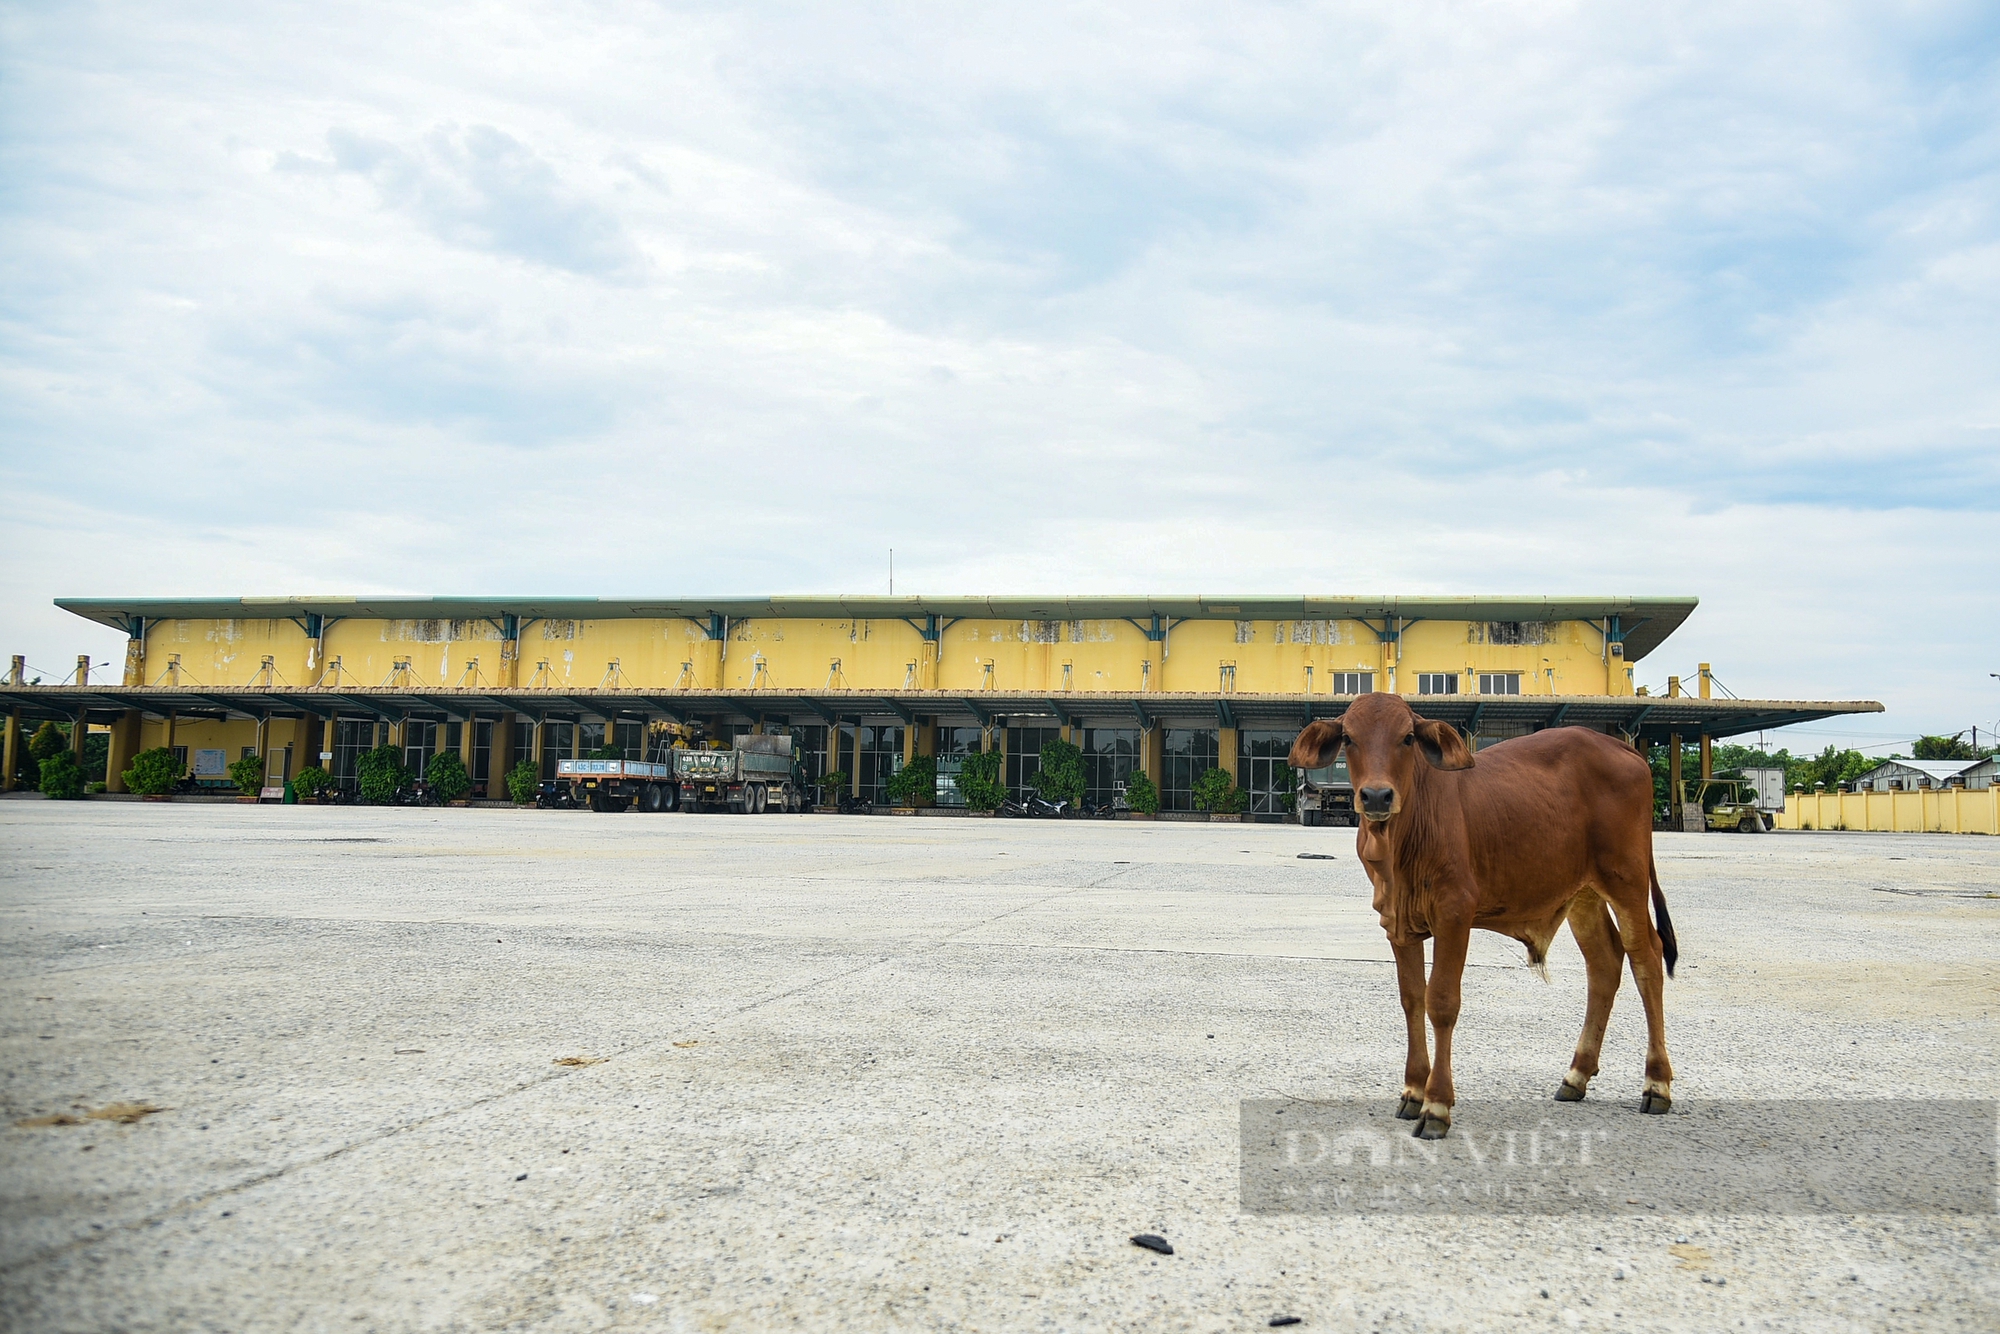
[1707, 757]
[468, 734]
[263, 742]
[535, 738]
[168, 742]
[17, 672]
[854, 770]
[124, 745]
[12, 748]
[1225, 753]
[1675, 796]
[135, 662]
[78, 730]
[1705, 679]
[1152, 753]
[501, 758]
[83, 669]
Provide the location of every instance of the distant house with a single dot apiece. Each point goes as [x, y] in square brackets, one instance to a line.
[1916, 775]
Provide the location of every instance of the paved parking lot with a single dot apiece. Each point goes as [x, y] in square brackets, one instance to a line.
[880, 1073]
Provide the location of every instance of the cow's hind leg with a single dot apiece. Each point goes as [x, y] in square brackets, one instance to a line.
[1417, 1064]
[1604, 963]
[1647, 954]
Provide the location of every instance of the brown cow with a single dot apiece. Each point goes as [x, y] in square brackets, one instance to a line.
[1551, 826]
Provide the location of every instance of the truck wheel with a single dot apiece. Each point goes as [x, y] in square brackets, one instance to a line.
[597, 803]
[753, 799]
[1749, 824]
[652, 798]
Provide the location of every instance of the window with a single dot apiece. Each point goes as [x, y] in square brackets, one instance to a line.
[350, 738]
[1186, 755]
[1110, 754]
[1437, 683]
[558, 743]
[1024, 757]
[1499, 683]
[953, 745]
[630, 737]
[1264, 771]
[482, 753]
[879, 756]
[589, 737]
[419, 744]
[809, 744]
[1352, 683]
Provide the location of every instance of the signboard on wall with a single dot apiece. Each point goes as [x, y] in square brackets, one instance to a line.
[211, 764]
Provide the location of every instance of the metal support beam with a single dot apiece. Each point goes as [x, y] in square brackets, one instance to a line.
[908, 716]
[1562, 712]
[1478, 712]
[1139, 712]
[1224, 715]
[1063, 716]
[715, 627]
[985, 718]
[1156, 632]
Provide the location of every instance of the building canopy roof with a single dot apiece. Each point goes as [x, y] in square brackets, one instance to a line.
[1644, 621]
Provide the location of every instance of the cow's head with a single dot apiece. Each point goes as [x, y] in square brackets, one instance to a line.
[1383, 740]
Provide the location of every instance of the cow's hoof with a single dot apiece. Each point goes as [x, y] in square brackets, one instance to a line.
[1568, 1092]
[1409, 1109]
[1432, 1127]
[1654, 1104]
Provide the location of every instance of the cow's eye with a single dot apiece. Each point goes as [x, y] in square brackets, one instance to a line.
[1410, 740]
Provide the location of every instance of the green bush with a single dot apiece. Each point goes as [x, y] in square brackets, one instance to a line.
[62, 777]
[1059, 776]
[832, 785]
[607, 753]
[1216, 792]
[915, 784]
[153, 773]
[1142, 794]
[522, 782]
[248, 775]
[98, 786]
[381, 773]
[979, 781]
[308, 782]
[447, 776]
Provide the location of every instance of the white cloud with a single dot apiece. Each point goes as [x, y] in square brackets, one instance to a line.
[1427, 298]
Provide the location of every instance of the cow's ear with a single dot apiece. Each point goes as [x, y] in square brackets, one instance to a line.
[1317, 746]
[1442, 745]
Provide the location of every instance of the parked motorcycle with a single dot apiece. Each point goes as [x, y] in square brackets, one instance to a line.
[1036, 807]
[556, 796]
[418, 792]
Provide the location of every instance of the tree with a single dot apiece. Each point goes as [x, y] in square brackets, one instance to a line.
[979, 781]
[915, 784]
[447, 776]
[1945, 748]
[1142, 794]
[248, 774]
[381, 774]
[153, 773]
[1216, 792]
[1059, 777]
[607, 753]
[62, 776]
[46, 741]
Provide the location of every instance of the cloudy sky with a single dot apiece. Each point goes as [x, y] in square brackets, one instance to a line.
[684, 299]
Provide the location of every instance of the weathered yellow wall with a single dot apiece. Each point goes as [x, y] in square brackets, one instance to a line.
[1268, 656]
[1952, 811]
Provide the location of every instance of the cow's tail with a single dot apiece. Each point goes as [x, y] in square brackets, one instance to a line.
[1669, 946]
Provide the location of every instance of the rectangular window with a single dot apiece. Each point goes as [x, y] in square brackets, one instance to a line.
[1264, 771]
[879, 756]
[1187, 754]
[420, 742]
[1024, 757]
[953, 745]
[1499, 683]
[1110, 754]
[350, 738]
[1437, 683]
[558, 741]
[1352, 683]
[590, 736]
[630, 737]
[482, 754]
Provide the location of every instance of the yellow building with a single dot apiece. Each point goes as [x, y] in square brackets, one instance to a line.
[1164, 684]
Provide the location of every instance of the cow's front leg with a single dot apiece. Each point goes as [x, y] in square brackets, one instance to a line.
[1417, 1064]
[1441, 1003]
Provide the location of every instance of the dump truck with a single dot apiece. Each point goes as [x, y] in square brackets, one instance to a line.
[748, 777]
[1325, 796]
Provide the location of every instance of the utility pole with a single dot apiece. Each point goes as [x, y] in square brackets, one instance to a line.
[892, 571]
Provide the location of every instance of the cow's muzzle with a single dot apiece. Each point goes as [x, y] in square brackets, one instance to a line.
[1378, 803]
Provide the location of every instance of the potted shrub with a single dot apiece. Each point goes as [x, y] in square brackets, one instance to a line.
[523, 782]
[447, 776]
[153, 774]
[1142, 795]
[830, 787]
[915, 784]
[309, 782]
[979, 782]
[1059, 776]
[1216, 792]
[381, 774]
[248, 775]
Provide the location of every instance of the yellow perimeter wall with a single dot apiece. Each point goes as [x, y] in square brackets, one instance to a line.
[1563, 657]
[1951, 811]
